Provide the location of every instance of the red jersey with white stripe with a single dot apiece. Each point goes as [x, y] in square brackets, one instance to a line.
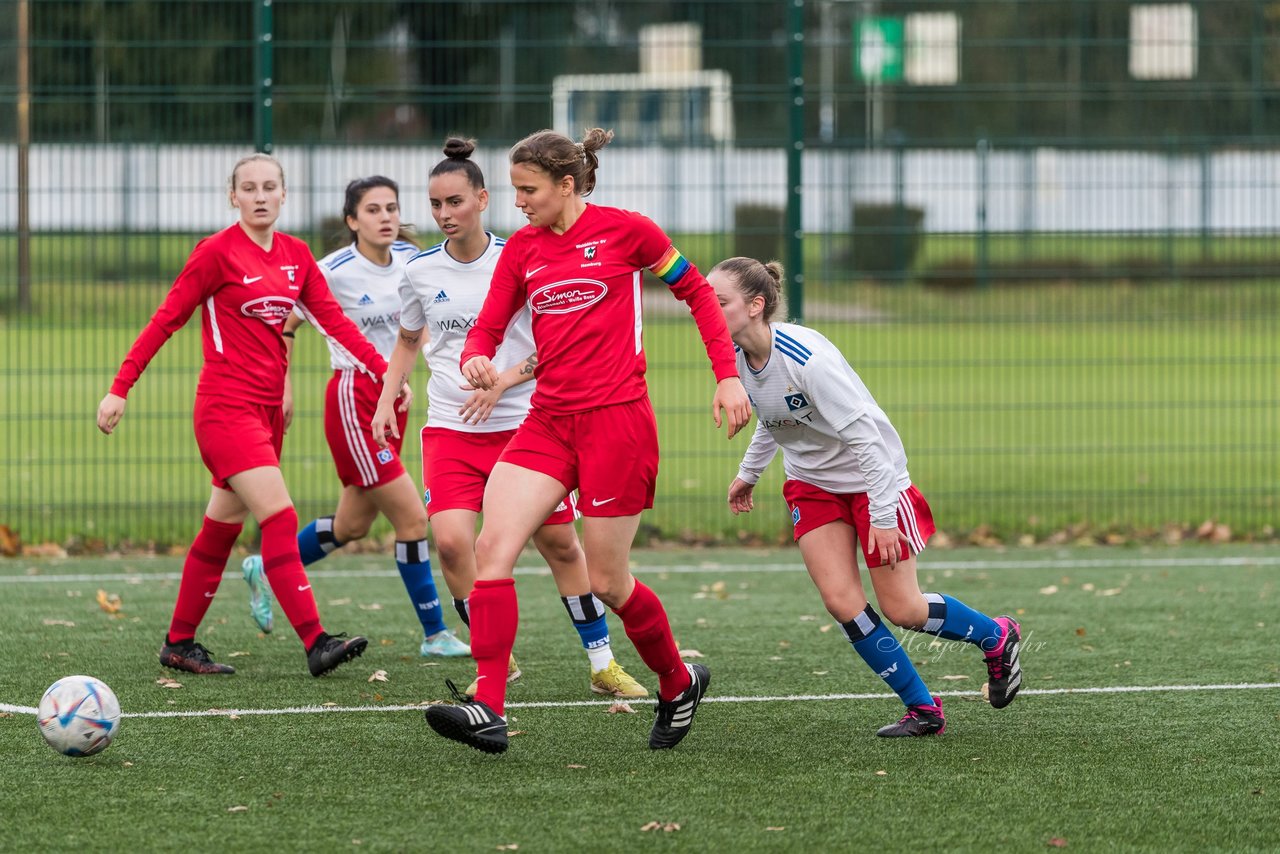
[583, 288]
[247, 292]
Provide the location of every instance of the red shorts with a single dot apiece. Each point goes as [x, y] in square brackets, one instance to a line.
[610, 455]
[235, 436]
[349, 404]
[812, 507]
[456, 466]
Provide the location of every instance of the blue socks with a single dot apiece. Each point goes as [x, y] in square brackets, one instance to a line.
[952, 619]
[413, 559]
[883, 654]
[316, 540]
[414, 562]
[587, 613]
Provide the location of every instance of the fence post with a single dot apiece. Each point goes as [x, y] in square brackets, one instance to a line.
[1170, 197]
[984, 276]
[898, 264]
[262, 129]
[1206, 200]
[24, 154]
[795, 155]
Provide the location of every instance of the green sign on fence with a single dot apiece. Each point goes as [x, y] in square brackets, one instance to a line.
[877, 50]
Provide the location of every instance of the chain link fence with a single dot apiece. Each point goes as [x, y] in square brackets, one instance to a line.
[1043, 232]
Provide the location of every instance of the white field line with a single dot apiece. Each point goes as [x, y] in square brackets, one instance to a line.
[712, 568]
[578, 704]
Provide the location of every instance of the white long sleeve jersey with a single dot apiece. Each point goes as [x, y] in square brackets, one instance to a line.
[368, 294]
[444, 295]
[812, 404]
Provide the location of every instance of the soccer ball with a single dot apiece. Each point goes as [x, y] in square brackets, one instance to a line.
[78, 715]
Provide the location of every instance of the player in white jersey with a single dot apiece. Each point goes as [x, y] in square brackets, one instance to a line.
[466, 430]
[365, 279]
[847, 481]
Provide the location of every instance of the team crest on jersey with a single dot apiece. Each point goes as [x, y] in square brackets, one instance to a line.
[589, 252]
[270, 310]
[796, 401]
[795, 515]
[291, 271]
[564, 297]
[385, 456]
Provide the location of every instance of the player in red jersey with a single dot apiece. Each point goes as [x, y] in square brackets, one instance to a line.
[590, 426]
[248, 278]
[364, 277]
[441, 295]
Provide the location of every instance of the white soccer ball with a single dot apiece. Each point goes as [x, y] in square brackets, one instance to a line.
[78, 715]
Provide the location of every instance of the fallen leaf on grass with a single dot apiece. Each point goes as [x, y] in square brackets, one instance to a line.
[955, 677]
[6, 714]
[328, 705]
[1111, 591]
[43, 550]
[508, 847]
[1080, 632]
[1057, 842]
[334, 603]
[10, 544]
[512, 733]
[128, 764]
[66, 623]
[825, 629]
[372, 606]
[1050, 590]
[166, 682]
[238, 808]
[665, 827]
[386, 642]
[775, 658]
[807, 618]
[821, 672]
[378, 676]
[1087, 587]
[882, 773]
[575, 766]
[233, 717]
[690, 653]
[775, 828]
[109, 602]
[986, 691]
[237, 654]
[620, 709]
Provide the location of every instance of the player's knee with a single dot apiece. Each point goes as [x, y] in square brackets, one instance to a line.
[906, 614]
[562, 551]
[348, 531]
[411, 529]
[452, 549]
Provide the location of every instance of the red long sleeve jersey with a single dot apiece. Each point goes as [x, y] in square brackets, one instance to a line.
[583, 287]
[247, 293]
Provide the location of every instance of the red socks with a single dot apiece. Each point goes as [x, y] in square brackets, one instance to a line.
[495, 614]
[289, 582]
[201, 574]
[645, 621]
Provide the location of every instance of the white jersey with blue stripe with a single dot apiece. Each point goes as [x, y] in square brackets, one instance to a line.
[804, 397]
[444, 295]
[369, 295]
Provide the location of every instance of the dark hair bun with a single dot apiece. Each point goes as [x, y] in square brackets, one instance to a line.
[456, 148]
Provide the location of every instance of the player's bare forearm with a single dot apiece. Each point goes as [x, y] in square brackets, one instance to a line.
[405, 355]
[519, 373]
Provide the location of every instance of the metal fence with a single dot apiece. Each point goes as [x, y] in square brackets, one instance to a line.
[1043, 232]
